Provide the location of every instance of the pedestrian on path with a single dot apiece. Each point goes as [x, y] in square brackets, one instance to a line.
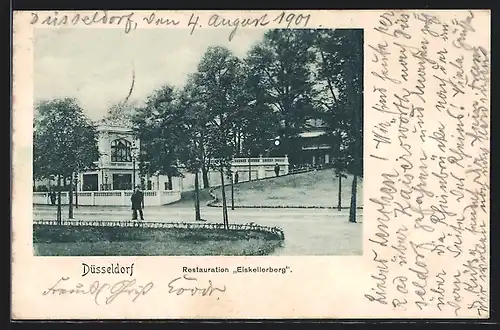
[53, 197]
[137, 200]
[277, 169]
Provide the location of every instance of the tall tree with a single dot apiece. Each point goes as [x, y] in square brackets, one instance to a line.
[282, 63]
[193, 154]
[65, 142]
[218, 79]
[340, 98]
[156, 125]
[258, 123]
[193, 99]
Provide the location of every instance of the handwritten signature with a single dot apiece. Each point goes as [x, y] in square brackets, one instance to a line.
[188, 284]
[100, 291]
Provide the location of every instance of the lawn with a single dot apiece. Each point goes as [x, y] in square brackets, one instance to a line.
[50, 240]
[187, 198]
[310, 189]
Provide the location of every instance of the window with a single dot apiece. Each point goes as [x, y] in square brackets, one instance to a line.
[121, 151]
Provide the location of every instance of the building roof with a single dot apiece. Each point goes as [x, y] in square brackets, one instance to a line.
[118, 116]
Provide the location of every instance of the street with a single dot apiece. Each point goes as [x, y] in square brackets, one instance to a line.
[308, 232]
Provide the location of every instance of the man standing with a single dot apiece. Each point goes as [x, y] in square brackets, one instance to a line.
[277, 169]
[53, 196]
[137, 199]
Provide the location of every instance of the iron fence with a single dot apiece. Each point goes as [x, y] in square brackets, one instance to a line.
[164, 225]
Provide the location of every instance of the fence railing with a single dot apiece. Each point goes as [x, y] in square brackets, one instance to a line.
[111, 197]
[261, 160]
[308, 168]
[278, 232]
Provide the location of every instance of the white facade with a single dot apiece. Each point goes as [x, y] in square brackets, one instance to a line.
[118, 168]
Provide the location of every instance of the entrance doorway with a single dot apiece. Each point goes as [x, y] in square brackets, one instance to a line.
[90, 182]
[122, 181]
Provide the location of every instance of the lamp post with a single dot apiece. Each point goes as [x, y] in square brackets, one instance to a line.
[277, 143]
[76, 190]
[51, 179]
[249, 166]
[102, 174]
[103, 161]
[133, 164]
[133, 172]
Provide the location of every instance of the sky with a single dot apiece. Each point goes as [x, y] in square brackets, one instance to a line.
[95, 65]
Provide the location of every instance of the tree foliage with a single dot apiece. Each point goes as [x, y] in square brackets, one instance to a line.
[340, 93]
[64, 140]
[64, 143]
[156, 126]
[281, 64]
[219, 81]
[258, 123]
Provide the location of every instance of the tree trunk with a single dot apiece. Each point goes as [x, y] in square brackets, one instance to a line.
[352, 212]
[249, 168]
[197, 197]
[232, 192]
[238, 146]
[59, 211]
[169, 181]
[204, 172]
[70, 199]
[224, 204]
[235, 139]
[339, 204]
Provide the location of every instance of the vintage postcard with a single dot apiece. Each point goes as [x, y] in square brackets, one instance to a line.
[251, 164]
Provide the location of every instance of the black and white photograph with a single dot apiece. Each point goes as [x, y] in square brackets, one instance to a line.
[157, 144]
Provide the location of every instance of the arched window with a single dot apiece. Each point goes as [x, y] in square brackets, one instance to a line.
[121, 151]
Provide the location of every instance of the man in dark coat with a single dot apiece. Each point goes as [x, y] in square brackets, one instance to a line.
[277, 169]
[137, 199]
[53, 196]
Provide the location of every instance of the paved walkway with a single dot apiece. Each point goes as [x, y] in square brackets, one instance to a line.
[307, 231]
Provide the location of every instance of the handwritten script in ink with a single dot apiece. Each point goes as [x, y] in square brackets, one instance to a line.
[429, 92]
[105, 293]
[189, 285]
[130, 21]
[102, 293]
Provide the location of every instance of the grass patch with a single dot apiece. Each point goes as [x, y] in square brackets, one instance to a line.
[187, 198]
[317, 188]
[50, 240]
